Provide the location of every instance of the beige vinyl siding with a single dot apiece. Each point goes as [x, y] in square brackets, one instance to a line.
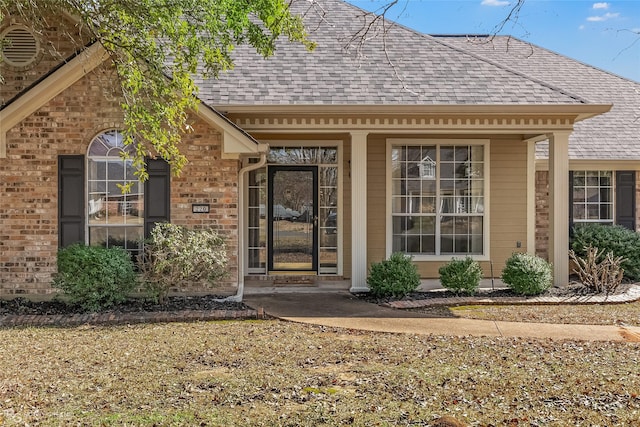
[508, 200]
[376, 198]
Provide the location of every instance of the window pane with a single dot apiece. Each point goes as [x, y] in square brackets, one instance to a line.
[446, 244]
[606, 211]
[475, 170]
[414, 154]
[476, 245]
[605, 178]
[475, 225]
[428, 205]
[446, 225]
[427, 224]
[429, 244]
[477, 153]
[461, 245]
[328, 258]
[398, 187]
[446, 198]
[461, 154]
[593, 195]
[447, 170]
[413, 170]
[399, 224]
[446, 154]
[398, 205]
[448, 205]
[413, 244]
[593, 212]
[428, 187]
[593, 178]
[579, 194]
[399, 243]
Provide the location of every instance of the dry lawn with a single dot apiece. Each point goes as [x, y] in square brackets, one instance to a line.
[592, 314]
[274, 373]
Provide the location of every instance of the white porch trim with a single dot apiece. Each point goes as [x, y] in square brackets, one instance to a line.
[559, 206]
[531, 197]
[359, 211]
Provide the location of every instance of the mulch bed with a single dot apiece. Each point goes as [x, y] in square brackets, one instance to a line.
[23, 306]
[573, 289]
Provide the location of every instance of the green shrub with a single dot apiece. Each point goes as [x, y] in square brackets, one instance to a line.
[461, 276]
[620, 241]
[94, 277]
[527, 274]
[175, 256]
[395, 277]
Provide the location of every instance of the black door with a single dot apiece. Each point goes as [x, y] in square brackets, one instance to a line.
[292, 215]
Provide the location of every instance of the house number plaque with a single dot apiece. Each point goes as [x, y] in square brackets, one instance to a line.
[200, 208]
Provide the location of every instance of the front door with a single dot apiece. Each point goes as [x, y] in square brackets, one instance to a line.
[293, 219]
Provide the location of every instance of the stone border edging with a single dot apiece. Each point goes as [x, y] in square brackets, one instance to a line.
[632, 294]
[62, 320]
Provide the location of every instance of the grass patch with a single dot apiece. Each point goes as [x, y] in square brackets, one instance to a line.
[588, 314]
[273, 373]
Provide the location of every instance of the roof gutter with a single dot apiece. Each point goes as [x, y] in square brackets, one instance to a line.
[580, 111]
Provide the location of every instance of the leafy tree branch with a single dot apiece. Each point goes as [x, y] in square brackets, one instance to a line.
[158, 49]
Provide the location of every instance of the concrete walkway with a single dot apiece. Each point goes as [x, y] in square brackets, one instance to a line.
[341, 309]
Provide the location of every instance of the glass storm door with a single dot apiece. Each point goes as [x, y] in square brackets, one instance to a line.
[293, 218]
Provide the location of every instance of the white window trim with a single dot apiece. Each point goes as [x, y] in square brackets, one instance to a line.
[486, 217]
[612, 221]
[87, 160]
[339, 144]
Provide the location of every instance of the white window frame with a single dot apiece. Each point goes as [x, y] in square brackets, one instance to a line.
[438, 142]
[87, 181]
[612, 186]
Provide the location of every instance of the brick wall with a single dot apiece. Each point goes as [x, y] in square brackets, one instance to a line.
[66, 125]
[542, 211]
[55, 45]
[542, 214]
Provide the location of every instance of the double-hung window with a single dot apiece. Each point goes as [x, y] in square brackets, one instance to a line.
[438, 195]
[592, 197]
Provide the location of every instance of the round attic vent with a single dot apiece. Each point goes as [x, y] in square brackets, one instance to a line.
[20, 47]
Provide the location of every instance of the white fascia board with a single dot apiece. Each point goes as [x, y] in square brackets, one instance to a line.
[234, 142]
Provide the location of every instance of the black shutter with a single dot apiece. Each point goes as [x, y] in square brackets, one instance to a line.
[626, 199]
[71, 205]
[157, 196]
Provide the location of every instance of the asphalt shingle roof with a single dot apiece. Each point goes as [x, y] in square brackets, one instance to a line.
[401, 67]
[613, 135]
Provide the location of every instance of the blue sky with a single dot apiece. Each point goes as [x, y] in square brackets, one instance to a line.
[602, 34]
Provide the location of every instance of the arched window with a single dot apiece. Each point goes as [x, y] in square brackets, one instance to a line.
[114, 218]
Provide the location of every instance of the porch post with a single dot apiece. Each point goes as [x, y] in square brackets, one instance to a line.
[559, 206]
[359, 211]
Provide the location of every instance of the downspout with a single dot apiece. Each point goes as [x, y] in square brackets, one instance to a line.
[263, 149]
